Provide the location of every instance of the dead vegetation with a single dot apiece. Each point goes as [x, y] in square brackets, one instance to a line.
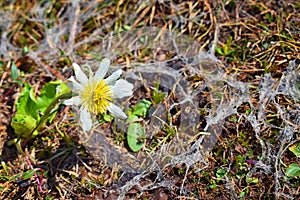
[254, 113]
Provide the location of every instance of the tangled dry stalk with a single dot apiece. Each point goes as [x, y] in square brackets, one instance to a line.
[249, 105]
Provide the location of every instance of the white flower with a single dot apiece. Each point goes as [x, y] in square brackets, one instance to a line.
[95, 94]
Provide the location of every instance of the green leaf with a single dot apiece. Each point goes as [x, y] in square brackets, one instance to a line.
[14, 72]
[14, 177]
[107, 118]
[25, 50]
[23, 125]
[62, 88]
[295, 148]
[19, 82]
[248, 111]
[131, 118]
[135, 136]
[226, 48]
[242, 194]
[157, 96]
[293, 170]
[219, 50]
[141, 109]
[251, 180]
[49, 92]
[27, 103]
[126, 27]
[28, 174]
[221, 172]
[27, 115]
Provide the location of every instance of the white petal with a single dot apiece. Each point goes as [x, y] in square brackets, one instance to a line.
[68, 102]
[116, 111]
[88, 68]
[102, 70]
[77, 87]
[80, 76]
[77, 100]
[121, 89]
[110, 80]
[85, 119]
[73, 101]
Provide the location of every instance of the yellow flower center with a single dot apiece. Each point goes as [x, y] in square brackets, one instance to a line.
[96, 97]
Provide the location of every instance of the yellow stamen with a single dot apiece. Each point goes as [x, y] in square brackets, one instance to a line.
[96, 97]
[102, 97]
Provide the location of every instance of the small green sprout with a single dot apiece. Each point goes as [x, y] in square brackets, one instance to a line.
[15, 73]
[158, 96]
[135, 132]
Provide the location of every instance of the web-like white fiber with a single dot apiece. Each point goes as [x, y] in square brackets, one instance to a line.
[187, 60]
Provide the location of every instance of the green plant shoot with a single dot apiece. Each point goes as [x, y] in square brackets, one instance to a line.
[28, 107]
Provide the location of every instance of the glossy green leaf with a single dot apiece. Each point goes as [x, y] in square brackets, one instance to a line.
[135, 136]
[28, 107]
[23, 125]
[131, 118]
[141, 109]
[293, 170]
[49, 92]
[26, 116]
[27, 103]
